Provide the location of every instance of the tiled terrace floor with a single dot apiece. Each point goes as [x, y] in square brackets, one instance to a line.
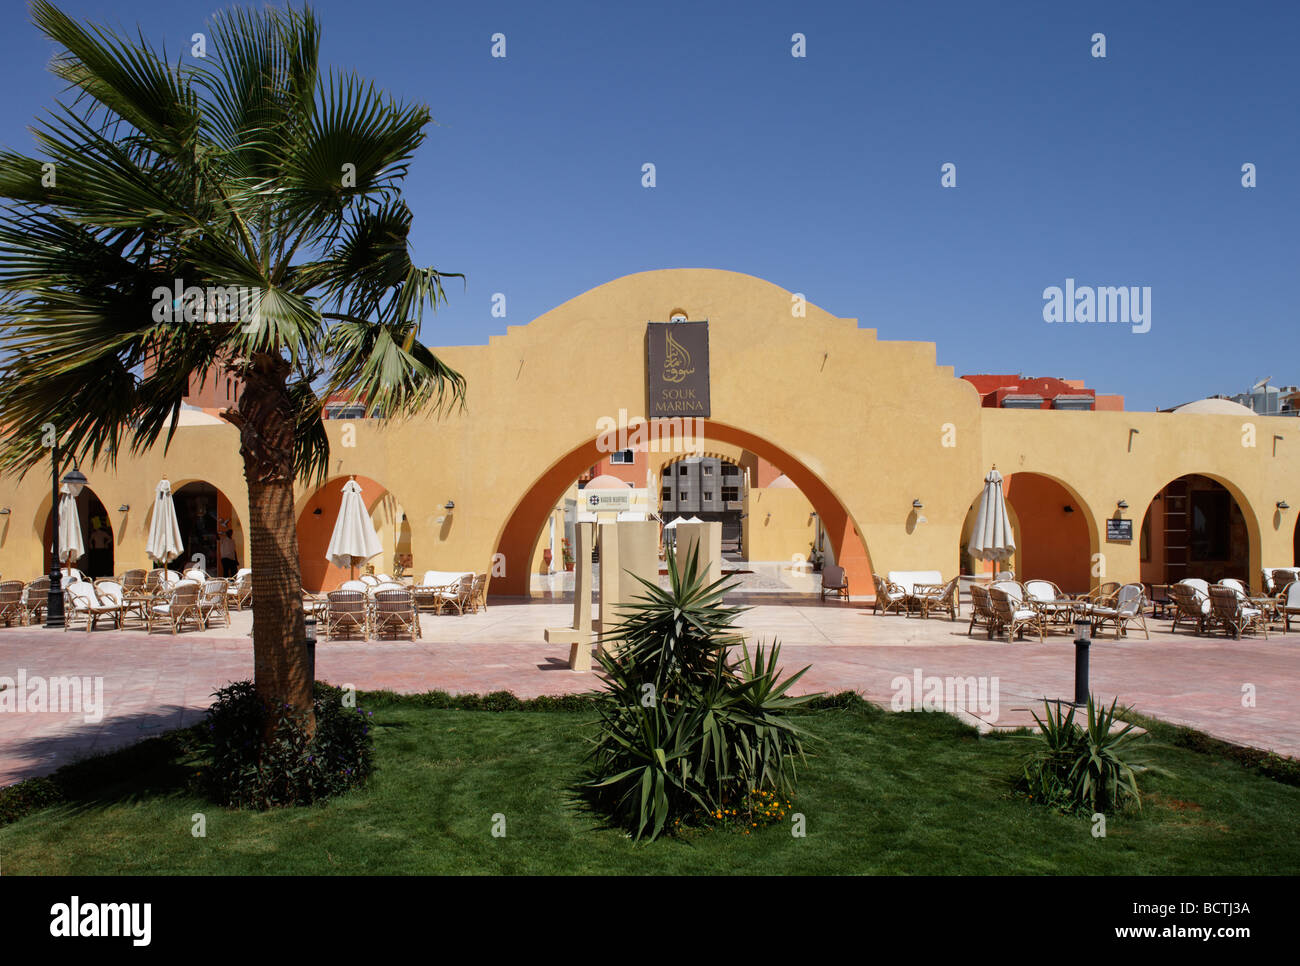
[155, 682]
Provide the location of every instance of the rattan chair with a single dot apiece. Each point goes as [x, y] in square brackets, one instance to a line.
[35, 596]
[133, 580]
[239, 590]
[1190, 606]
[1046, 596]
[1014, 615]
[834, 582]
[1233, 611]
[461, 596]
[181, 605]
[394, 611]
[82, 603]
[1128, 608]
[347, 611]
[981, 611]
[1288, 603]
[938, 597]
[11, 602]
[890, 596]
[213, 601]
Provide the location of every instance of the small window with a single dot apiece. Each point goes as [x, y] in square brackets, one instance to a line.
[681, 470]
[624, 456]
[730, 494]
[667, 494]
[708, 494]
[708, 470]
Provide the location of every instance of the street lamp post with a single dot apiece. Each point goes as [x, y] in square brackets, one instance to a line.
[1082, 642]
[74, 480]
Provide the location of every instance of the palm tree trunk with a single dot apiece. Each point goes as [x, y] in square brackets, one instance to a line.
[266, 423]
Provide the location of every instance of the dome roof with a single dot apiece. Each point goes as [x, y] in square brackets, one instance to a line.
[782, 482]
[194, 416]
[606, 482]
[1215, 407]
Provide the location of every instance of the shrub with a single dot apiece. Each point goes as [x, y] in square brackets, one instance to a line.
[292, 768]
[1083, 769]
[25, 797]
[685, 728]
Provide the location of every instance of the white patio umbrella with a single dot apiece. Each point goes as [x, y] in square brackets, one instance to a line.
[71, 545]
[692, 520]
[354, 540]
[165, 543]
[672, 524]
[992, 538]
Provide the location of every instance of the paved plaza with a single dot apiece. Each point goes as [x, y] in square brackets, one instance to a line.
[152, 683]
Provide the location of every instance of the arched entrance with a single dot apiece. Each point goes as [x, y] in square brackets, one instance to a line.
[518, 539]
[1053, 528]
[1195, 527]
[205, 516]
[316, 516]
[96, 536]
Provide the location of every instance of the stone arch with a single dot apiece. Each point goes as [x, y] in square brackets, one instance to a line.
[517, 540]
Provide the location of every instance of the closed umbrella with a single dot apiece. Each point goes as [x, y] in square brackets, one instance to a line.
[354, 540]
[164, 532]
[71, 545]
[992, 538]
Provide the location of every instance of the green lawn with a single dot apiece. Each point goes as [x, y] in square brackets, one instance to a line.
[885, 793]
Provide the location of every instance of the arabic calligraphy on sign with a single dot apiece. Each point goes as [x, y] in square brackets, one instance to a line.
[677, 361]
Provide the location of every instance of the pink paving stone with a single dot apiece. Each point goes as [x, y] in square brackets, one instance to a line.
[160, 681]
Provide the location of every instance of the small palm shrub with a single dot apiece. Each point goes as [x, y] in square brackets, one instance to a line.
[1084, 769]
[293, 767]
[685, 728]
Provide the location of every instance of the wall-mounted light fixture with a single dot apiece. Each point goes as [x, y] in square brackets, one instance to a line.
[1068, 509]
[317, 512]
[1281, 505]
[4, 511]
[1122, 504]
[449, 505]
[124, 508]
[917, 505]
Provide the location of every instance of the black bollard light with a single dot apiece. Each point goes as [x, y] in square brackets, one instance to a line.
[310, 642]
[1082, 641]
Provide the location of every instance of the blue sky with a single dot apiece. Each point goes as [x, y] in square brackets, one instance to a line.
[822, 174]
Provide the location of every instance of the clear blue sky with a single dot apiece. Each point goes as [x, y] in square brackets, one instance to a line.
[822, 174]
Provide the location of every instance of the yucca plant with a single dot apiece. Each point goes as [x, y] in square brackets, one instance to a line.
[265, 191]
[685, 726]
[1085, 768]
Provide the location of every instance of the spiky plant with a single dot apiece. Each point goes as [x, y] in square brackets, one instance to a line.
[252, 171]
[685, 725]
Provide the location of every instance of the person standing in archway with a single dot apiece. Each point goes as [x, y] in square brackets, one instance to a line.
[100, 562]
[229, 560]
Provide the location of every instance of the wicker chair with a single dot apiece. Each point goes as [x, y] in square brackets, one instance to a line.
[890, 596]
[834, 582]
[1288, 603]
[35, 596]
[182, 605]
[1190, 606]
[395, 611]
[461, 596]
[133, 580]
[981, 611]
[110, 592]
[938, 597]
[1103, 594]
[1044, 595]
[11, 602]
[1129, 604]
[478, 593]
[196, 574]
[82, 603]
[347, 611]
[212, 601]
[1014, 615]
[1232, 610]
[239, 590]
[153, 580]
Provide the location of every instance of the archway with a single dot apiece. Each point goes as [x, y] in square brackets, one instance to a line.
[96, 536]
[1054, 531]
[205, 515]
[319, 510]
[1195, 526]
[517, 541]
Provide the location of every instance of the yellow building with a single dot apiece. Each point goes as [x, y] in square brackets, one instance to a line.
[862, 428]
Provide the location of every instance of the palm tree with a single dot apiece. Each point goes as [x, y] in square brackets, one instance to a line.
[241, 209]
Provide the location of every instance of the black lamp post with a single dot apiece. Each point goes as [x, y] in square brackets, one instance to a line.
[74, 480]
[1082, 642]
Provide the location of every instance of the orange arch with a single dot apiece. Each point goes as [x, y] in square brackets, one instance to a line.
[518, 538]
[315, 529]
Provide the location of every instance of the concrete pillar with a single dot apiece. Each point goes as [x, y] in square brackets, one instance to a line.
[578, 636]
[708, 538]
